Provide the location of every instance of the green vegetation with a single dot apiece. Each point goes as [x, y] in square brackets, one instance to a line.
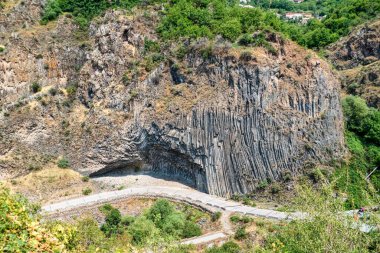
[340, 17]
[2, 49]
[86, 191]
[20, 229]
[228, 247]
[208, 18]
[35, 87]
[362, 138]
[325, 230]
[240, 234]
[83, 11]
[63, 163]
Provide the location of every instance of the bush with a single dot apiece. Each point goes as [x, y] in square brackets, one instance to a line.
[216, 216]
[53, 91]
[246, 56]
[71, 90]
[246, 40]
[20, 229]
[82, 11]
[85, 178]
[112, 222]
[240, 234]
[127, 220]
[63, 163]
[228, 247]
[141, 230]
[275, 188]
[191, 229]
[235, 218]
[2, 49]
[35, 87]
[262, 185]
[361, 119]
[86, 191]
[326, 229]
[161, 210]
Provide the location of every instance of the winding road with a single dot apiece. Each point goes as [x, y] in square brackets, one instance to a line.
[193, 197]
[208, 202]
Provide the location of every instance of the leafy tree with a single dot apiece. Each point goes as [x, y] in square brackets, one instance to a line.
[20, 229]
[142, 230]
[326, 229]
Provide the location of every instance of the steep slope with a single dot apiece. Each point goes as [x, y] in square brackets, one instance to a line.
[357, 57]
[220, 119]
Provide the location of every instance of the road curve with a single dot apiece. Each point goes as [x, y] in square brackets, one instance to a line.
[190, 196]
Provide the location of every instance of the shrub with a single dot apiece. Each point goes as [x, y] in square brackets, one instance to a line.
[246, 40]
[248, 201]
[235, 218]
[191, 229]
[112, 222]
[71, 90]
[275, 188]
[160, 211]
[20, 229]
[241, 234]
[228, 247]
[2, 49]
[127, 220]
[35, 87]
[246, 219]
[326, 229]
[262, 185]
[85, 178]
[63, 163]
[125, 78]
[86, 191]
[141, 230]
[316, 175]
[216, 216]
[53, 91]
[246, 56]
[133, 93]
[151, 46]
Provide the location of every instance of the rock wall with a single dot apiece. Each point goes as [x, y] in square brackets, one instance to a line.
[221, 123]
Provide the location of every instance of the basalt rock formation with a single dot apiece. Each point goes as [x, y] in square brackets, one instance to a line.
[217, 118]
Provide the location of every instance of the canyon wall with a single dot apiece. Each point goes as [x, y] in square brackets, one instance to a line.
[219, 118]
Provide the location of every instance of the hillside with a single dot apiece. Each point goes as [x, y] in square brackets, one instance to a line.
[357, 58]
[183, 126]
[221, 118]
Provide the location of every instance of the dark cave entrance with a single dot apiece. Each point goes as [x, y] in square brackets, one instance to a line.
[161, 164]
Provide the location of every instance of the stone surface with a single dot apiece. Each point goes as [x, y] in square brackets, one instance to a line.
[221, 124]
[357, 56]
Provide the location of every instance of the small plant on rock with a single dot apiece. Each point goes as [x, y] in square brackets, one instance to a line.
[86, 191]
[63, 163]
[35, 87]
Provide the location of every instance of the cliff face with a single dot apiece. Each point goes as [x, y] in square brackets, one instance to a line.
[216, 118]
[357, 56]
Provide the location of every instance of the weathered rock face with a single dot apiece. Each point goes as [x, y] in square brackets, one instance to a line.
[357, 56]
[220, 123]
[361, 47]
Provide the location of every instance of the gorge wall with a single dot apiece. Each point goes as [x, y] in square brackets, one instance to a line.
[218, 118]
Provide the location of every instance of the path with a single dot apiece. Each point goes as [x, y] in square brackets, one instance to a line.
[204, 239]
[193, 197]
[187, 195]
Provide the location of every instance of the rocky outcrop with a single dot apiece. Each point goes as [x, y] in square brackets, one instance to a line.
[221, 123]
[357, 56]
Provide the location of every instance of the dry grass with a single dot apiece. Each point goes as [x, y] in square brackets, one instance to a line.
[49, 184]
